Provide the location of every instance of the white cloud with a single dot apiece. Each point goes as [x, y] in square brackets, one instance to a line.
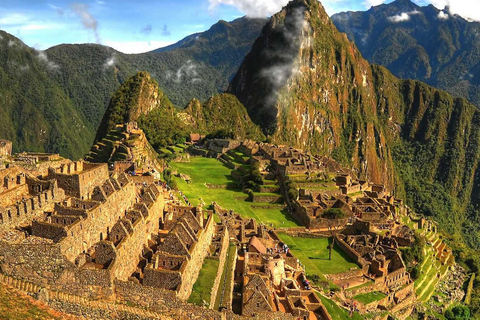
[443, 16]
[186, 73]
[88, 20]
[372, 3]
[252, 8]
[52, 66]
[13, 19]
[110, 61]
[399, 17]
[404, 16]
[468, 9]
[137, 46]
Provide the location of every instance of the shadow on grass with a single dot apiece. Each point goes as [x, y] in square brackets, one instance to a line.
[288, 217]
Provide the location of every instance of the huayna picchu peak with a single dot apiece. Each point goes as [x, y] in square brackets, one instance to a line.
[317, 185]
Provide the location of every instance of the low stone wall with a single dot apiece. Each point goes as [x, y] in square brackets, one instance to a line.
[215, 186]
[267, 198]
[349, 251]
[269, 189]
[357, 273]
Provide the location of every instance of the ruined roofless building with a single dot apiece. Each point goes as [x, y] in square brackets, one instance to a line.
[5, 148]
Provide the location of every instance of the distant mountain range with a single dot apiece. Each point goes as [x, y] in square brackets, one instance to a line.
[422, 43]
[63, 92]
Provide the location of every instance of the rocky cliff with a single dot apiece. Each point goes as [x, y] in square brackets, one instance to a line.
[308, 86]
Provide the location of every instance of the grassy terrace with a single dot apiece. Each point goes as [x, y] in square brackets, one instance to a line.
[225, 284]
[206, 170]
[369, 297]
[203, 286]
[313, 254]
[319, 186]
[336, 312]
[15, 306]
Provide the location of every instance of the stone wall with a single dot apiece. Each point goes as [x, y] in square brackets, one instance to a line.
[5, 148]
[267, 198]
[45, 265]
[32, 206]
[129, 250]
[350, 252]
[198, 254]
[79, 179]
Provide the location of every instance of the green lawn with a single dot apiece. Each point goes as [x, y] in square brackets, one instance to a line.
[369, 297]
[203, 286]
[15, 306]
[207, 170]
[225, 283]
[313, 254]
[335, 311]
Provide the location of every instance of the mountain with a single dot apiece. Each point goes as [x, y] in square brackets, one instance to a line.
[55, 100]
[423, 43]
[308, 86]
[136, 97]
[221, 115]
[140, 99]
[36, 113]
[198, 66]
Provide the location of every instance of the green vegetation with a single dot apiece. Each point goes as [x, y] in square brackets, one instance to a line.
[333, 213]
[223, 116]
[203, 286]
[369, 297]
[458, 312]
[313, 253]
[225, 282]
[14, 306]
[405, 48]
[335, 311]
[414, 256]
[36, 113]
[204, 171]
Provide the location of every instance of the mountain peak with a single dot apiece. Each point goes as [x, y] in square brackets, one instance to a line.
[137, 96]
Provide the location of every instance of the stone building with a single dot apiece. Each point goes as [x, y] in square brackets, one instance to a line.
[274, 282]
[79, 178]
[23, 197]
[382, 263]
[173, 263]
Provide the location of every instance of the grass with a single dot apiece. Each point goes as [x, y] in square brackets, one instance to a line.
[313, 254]
[14, 306]
[335, 311]
[207, 170]
[203, 286]
[225, 284]
[369, 297]
[319, 186]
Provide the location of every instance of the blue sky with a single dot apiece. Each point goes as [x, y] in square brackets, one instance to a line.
[141, 25]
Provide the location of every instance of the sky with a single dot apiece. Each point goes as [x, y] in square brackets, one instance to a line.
[144, 25]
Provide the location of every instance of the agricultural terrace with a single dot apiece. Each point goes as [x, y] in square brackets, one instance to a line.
[208, 171]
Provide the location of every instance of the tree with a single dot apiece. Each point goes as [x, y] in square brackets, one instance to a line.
[333, 213]
[459, 312]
